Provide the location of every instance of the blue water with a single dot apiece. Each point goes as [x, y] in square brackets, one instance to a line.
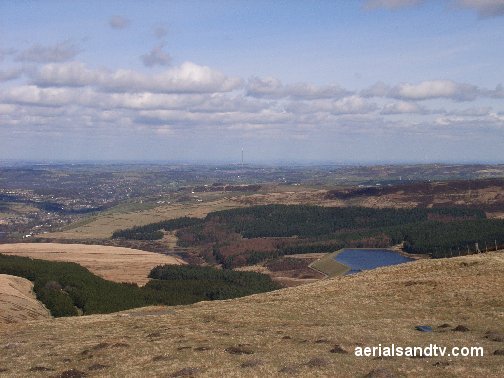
[365, 259]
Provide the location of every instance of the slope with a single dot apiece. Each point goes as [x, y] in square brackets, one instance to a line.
[309, 330]
[18, 302]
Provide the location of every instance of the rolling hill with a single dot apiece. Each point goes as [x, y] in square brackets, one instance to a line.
[309, 330]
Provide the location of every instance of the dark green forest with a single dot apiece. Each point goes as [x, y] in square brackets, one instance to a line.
[218, 283]
[68, 289]
[440, 232]
[316, 221]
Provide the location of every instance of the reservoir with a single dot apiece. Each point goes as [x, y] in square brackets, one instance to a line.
[365, 259]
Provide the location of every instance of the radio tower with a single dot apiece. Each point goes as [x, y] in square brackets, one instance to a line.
[242, 159]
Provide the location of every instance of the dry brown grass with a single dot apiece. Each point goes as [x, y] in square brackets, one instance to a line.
[400, 199]
[302, 331]
[112, 263]
[289, 197]
[103, 225]
[18, 302]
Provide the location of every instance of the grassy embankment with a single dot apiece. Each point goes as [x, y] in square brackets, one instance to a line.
[329, 266]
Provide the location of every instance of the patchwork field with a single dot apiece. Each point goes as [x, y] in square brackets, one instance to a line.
[309, 330]
[112, 263]
[18, 302]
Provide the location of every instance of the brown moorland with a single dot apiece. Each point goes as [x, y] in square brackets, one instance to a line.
[112, 263]
[18, 302]
[485, 194]
[308, 330]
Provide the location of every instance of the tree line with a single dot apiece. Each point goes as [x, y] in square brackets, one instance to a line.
[152, 231]
[68, 289]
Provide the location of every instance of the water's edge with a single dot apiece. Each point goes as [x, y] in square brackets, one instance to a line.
[359, 259]
[331, 267]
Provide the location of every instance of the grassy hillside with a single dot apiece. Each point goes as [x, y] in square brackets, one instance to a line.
[18, 302]
[310, 330]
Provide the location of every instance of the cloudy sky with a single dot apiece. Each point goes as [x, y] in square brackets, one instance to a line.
[300, 81]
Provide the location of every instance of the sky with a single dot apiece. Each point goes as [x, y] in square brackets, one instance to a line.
[357, 81]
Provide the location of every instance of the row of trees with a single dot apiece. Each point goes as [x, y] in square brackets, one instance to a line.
[451, 239]
[152, 231]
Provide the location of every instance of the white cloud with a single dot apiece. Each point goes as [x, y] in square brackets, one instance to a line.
[119, 22]
[64, 97]
[347, 105]
[72, 74]
[146, 100]
[435, 89]
[473, 124]
[273, 88]
[157, 56]
[432, 89]
[61, 52]
[352, 105]
[33, 95]
[186, 78]
[402, 107]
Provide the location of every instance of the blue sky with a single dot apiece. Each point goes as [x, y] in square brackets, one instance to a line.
[334, 81]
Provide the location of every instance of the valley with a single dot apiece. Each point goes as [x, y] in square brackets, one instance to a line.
[247, 272]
